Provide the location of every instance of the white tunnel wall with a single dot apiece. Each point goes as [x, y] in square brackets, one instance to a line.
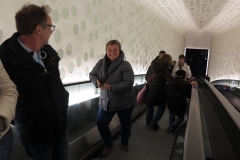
[224, 62]
[84, 27]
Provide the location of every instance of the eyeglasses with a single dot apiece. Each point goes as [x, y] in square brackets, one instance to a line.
[52, 27]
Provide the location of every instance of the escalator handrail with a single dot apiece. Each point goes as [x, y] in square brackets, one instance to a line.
[193, 142]
[235, 115]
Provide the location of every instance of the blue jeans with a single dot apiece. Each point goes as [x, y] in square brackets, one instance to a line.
[49, 151]
[153, 120]
[174, 123]
[6, 144]
[103, 120]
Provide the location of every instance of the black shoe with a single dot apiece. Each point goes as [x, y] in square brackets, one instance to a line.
[170, 131]
[105, 151]
[124, 148]
[154, 127]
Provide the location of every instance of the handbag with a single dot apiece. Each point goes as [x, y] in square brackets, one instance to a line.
[142, 93]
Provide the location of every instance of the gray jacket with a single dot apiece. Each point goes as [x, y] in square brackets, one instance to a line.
[121, 96]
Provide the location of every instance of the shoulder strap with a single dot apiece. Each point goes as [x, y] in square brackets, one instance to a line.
[112, 72]
[109, 76]
[150, 79]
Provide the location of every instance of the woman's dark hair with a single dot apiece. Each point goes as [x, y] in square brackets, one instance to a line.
[112, 42]
[165, 61]
[29, 16]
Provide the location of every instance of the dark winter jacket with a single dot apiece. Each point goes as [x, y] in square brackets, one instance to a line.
[156, 93]
[177, 95]
[121, 96]
[170, 70]
[41, 111]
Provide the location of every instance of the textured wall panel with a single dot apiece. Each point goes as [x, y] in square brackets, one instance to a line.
[224, 58]
[84, 27]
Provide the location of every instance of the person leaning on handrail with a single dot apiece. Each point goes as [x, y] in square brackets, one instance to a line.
[156, 92]
[176, 101]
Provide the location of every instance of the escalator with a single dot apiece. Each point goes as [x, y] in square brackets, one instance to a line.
[220, 131]
[217, 127]
[233, 98]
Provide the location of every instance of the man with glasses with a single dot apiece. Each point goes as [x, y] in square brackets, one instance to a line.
[52, 27]
[32, 64]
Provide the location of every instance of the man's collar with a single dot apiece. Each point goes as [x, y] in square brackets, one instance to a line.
[27, 49]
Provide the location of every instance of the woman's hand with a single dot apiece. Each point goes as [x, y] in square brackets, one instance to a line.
[104, 86]
[107, 86]
[99, 84]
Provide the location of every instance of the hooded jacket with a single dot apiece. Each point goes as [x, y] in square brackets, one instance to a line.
[156, 90]
[41, 111]
[177, 96]
[121, 96]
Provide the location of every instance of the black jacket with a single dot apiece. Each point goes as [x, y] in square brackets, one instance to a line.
[177, 97]
[156, 93]
[41, 111]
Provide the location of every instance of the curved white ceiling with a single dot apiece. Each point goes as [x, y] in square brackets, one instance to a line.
[203, 15]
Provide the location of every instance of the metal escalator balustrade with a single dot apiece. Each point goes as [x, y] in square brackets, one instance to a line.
[220, 121]
[193, 143]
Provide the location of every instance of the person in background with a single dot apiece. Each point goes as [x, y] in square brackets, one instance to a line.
[8, 100]
[32, 64]
[114, 76]
[176, 101]
[160, 54]
[156, 93]
[172, 66]
[182, 65]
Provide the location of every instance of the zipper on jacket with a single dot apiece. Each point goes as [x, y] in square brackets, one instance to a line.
[46, 66]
